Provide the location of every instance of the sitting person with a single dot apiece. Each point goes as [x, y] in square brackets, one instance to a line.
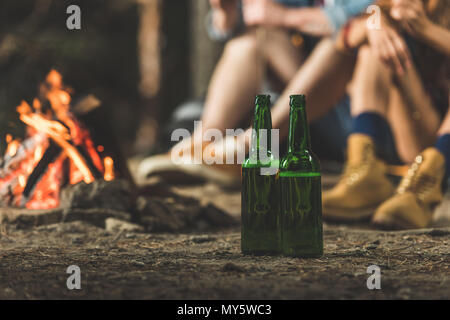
[399, 101]
[261, 39]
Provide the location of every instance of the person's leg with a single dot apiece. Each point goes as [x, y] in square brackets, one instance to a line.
[364, 185]
[382, 102]
[239, 75]
[323, 78]
[412, 116]
[237, 78]
[421, 189]
[443, 142]
[282, 57]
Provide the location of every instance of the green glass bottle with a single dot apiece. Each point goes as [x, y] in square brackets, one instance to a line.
[301, 193]
[260, 203]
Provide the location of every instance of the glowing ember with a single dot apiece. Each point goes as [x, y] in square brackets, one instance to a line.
[57, 151]
[109, 169]
[13, 146]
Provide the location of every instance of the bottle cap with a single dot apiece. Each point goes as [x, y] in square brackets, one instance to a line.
[298, 100]
[262, 99]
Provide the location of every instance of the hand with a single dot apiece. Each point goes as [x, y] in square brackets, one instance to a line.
[353, 35]
[263, 13]
[411, 15]
[225, 5]
[225, 14]
[390, 47]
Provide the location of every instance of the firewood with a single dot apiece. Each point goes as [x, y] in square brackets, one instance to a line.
[98, 123]
[52, 152]
[26, 148]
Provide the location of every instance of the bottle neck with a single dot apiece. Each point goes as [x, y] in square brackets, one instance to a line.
[299, 138]
[262, 126]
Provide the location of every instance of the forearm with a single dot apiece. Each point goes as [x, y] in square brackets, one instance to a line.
[224, 22]
[312, 21]
[436, 36]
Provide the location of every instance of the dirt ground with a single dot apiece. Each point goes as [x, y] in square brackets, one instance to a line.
[209, 265]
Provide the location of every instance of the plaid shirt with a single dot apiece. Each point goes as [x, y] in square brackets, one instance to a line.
[337, 11]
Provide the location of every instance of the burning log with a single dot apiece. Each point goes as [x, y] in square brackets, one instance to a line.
[58, 151]
[50, 155]
[94, 115]
[27, 147]
[58, 133]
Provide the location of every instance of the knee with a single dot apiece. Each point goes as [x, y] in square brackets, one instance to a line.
[243, 44]
[369, 59]
[365, 53]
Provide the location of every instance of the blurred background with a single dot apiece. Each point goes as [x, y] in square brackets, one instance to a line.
[141, 58]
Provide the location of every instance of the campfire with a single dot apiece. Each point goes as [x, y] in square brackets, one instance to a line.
[57, 151]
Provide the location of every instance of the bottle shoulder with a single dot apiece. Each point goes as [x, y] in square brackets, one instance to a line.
[304, 162]
[257, 163]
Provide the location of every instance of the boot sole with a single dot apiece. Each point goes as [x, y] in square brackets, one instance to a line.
[393, 224]
[348, 215]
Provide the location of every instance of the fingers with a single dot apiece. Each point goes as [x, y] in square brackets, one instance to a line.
[402, 50]
[406, 10]
[399, 54]
[393, 57]
[390, 48]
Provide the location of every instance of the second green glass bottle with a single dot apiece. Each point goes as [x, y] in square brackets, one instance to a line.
[301, 193]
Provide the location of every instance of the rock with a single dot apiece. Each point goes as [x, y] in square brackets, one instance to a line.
[95, 216]
[177, 214]
[25, 219]
[115, 195]
[202, 239]
[75, 227]
[216, 217]
[440, 233]
[116, 225]
[231, 267]
[166, 214]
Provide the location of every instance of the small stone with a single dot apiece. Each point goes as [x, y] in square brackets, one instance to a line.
[9, 293]
[138, 263]
[116, 225]
[201, 239]
[231, 267]
[77, 240]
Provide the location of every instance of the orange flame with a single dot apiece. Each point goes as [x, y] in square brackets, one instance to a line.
[109, 169]
[13, 145]
[59, 126]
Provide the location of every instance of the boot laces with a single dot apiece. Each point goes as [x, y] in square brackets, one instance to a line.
[416, 182]
[355, 172]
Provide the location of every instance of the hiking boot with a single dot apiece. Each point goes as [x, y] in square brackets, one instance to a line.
[363, 185]
[417, 196]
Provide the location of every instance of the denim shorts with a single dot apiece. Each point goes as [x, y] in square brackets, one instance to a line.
[330, 133]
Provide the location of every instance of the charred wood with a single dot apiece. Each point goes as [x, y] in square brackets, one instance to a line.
[50, 155]
[27, 147]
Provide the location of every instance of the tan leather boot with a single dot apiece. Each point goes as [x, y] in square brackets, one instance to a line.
[362, 187]
[419, 193]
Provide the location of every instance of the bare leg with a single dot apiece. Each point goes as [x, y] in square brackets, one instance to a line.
[323, 79]
[239, 76]
[369, 92]
[445, 126]
[402, 101]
